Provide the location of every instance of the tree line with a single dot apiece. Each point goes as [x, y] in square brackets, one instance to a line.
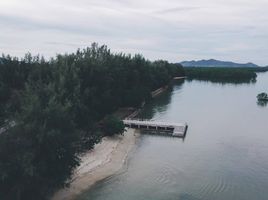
[222, 74]
[50, 110]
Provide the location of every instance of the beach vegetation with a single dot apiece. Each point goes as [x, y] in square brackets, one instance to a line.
[50, 112]
[112, 126]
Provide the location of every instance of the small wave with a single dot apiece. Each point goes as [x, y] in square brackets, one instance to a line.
[167, 175]
[217, 186]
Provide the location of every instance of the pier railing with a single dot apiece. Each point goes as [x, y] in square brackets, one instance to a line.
[177, 129]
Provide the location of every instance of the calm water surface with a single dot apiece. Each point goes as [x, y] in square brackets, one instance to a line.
[224, 155]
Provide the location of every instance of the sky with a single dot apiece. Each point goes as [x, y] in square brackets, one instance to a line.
[173, 30]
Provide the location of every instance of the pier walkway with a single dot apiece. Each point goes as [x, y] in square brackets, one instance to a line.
[175, 129]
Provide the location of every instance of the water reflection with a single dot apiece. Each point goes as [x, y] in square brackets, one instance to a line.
[161, 103]
[262, 103]
[224, 156]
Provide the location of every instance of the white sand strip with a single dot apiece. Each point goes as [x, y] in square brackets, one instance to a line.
[103, 161]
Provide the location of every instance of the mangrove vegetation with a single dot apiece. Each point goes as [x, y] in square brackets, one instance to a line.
[50, 112]
[216, 74]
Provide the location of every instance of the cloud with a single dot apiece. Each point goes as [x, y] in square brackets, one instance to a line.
[174, 30]
[176, 10]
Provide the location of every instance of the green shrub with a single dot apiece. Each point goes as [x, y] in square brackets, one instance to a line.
[112, 126]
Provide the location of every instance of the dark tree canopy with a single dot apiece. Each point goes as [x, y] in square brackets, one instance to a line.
[218, 74]
[50, 110]
[113, 125]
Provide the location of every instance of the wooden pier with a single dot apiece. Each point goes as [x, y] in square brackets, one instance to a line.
[174, 129]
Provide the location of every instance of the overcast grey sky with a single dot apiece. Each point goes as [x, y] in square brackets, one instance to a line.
[173, 30]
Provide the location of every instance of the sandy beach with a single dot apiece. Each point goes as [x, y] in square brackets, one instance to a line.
[103, 161]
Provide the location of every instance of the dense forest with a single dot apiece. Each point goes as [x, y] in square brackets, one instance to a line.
[50, 110]
[258, 69]
[216, 74]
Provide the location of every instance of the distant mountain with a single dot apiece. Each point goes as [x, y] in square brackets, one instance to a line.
[215, 63]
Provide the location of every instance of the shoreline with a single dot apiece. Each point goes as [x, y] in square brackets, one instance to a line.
[107, 158]
[159, 91]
